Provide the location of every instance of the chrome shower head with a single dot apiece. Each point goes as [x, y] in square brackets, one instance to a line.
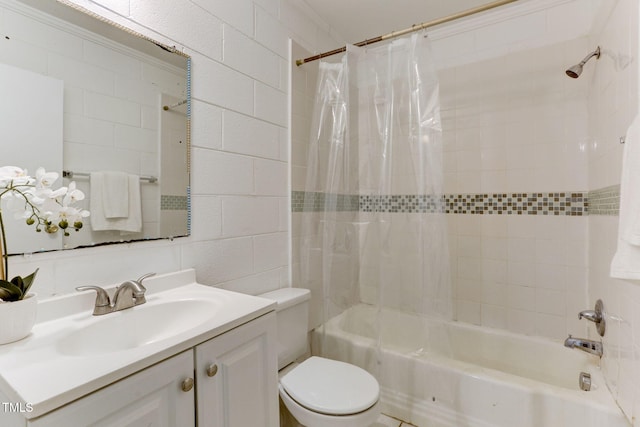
[575, 71]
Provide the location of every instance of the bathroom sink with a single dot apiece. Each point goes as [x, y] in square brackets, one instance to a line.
[136, 327]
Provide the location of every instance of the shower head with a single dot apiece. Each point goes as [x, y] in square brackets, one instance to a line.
[575, 71]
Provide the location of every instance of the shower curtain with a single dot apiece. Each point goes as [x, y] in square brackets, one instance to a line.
[373, 227]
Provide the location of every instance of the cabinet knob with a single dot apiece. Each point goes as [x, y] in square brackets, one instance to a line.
[212, 370]
[187, 384]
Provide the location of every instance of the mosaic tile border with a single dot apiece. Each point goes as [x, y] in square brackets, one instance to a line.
[568, 204]
[189, 210]
[402, 203]
[604, 201]
[316, 201]
[174, 203]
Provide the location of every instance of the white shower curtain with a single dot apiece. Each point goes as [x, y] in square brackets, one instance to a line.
[373, 224]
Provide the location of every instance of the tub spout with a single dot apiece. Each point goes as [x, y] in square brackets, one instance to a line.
[592, 347]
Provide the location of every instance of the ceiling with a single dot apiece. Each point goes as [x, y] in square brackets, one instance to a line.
[357, 20]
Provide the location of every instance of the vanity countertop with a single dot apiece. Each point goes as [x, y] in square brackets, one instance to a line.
[44, 372]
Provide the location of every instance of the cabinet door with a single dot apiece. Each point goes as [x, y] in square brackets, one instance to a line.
[237, 377]
[152, 397]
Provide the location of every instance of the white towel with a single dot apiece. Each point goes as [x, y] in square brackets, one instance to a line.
[626, 261]
[131, 222]
[115, 193]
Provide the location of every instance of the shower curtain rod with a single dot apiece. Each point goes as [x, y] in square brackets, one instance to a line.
[415, 27]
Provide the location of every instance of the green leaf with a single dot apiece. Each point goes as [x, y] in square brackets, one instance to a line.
[17, 288]
[17, 281]
[9, 291]
[28, 281]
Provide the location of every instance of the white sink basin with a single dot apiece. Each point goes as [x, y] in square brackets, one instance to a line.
[137, 326]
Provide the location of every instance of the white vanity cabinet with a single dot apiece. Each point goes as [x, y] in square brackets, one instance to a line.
[151, 397]
[236, 377]
[129, 368]
[228, 381]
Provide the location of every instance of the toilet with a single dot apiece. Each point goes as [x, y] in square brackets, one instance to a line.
[318, 392]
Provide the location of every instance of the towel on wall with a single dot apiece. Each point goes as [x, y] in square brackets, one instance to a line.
[626, 261]
[115, 202]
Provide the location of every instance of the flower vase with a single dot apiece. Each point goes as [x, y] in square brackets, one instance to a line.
[17, 318]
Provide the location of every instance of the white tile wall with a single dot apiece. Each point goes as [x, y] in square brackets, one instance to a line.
[503, 32]
[224, 87]
[271, 177]
[503, 133]
[245, 54]
[613, 103]
[181, 20]
[208, 130]
[270, 33]
[244, 216]
[251, 136]
[270, 104]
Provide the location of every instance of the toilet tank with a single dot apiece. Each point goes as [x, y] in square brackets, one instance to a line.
[292, 317]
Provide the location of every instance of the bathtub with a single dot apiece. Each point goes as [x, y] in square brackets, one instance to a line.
[450, 374]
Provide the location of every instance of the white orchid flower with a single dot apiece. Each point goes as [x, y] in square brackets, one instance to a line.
[45, 179]
[48, 193]
[38, 203]
[72, 214]
[73, 195]
[13, 176]
[39, 196]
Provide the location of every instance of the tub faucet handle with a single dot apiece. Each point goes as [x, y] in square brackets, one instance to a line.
[596, 316]
[590, 315]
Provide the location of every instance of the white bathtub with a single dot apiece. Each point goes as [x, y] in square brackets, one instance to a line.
[457, 375]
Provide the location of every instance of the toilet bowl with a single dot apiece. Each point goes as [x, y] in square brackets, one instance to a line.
[321, 392]
[318, 392]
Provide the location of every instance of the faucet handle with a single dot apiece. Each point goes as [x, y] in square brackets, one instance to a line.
[596, 316]
[102, 297]
[590, 315]
[144, 277]
[103, 303]
[138, 294]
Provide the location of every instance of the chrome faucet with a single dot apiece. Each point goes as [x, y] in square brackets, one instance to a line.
[592, 347]
[130, 293]
[591, 315]
[596, 316]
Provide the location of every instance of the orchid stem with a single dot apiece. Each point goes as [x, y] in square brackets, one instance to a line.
[5, 258]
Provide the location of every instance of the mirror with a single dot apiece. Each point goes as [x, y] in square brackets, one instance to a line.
[107, 106]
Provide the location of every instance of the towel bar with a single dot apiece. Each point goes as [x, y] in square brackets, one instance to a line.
[71, 174]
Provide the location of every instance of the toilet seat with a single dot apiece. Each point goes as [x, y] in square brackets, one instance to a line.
[331, 387]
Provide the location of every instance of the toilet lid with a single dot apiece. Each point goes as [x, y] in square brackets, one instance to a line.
[331, 387]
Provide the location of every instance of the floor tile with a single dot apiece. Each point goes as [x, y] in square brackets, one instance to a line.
[385, 421]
